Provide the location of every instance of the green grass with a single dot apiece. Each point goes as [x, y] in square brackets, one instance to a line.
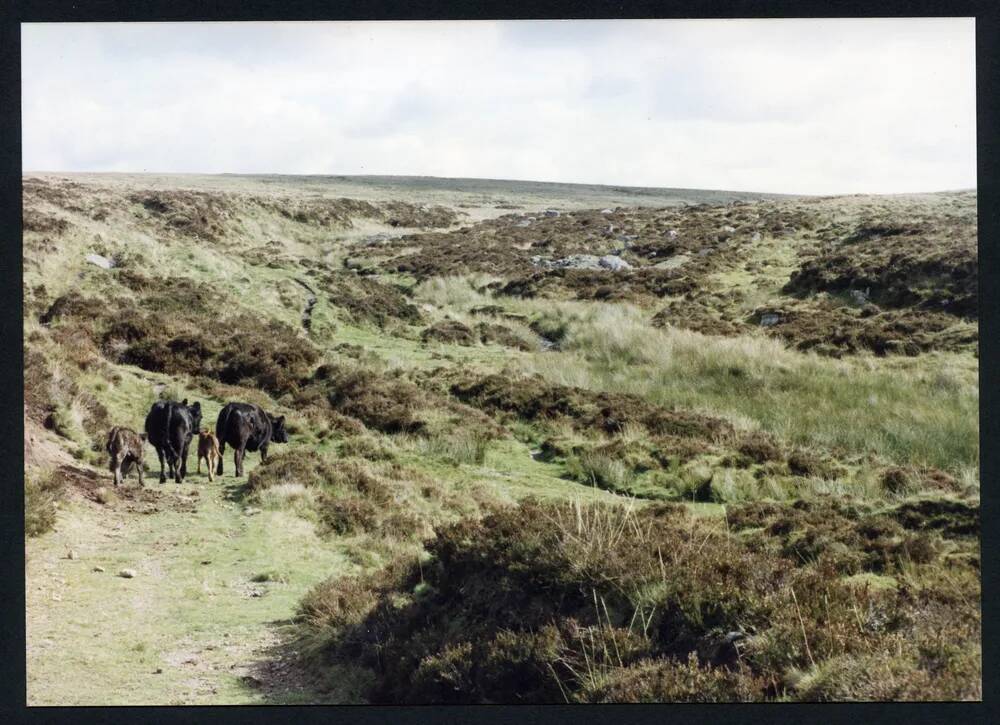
[190, 600]
[921, 410]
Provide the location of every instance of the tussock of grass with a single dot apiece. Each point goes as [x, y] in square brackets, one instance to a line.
[456, 447]
[42, 491]
[456, 292]
[597, 469]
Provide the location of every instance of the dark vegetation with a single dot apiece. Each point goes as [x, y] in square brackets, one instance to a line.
[924, 266]
[180, 326]
[551, 603]
[209, 215]
[457, 333]
[535, 399]
[366, 300]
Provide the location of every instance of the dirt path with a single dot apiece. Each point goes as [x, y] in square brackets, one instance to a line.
[310, 303]
[205, 618]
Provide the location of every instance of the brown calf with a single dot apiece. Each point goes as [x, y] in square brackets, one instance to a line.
[208, 448]
[125, 447]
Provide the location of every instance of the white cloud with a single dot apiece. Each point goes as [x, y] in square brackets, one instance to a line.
[810, 106]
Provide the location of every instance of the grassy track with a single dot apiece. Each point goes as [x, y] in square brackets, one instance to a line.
[192, 625]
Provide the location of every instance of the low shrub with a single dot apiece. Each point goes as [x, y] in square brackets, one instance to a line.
[42, 491]
[606, 603]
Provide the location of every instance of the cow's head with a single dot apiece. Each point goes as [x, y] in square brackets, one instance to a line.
[195, 409]
[278, 432]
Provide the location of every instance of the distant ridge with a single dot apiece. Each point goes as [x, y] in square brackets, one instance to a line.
[455, 183]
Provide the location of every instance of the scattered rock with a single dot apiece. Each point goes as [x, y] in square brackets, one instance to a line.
[769, 319]
[755, 237]
[672, 233]
[729, 229]
[206, 562]
[376, 239]
[523, 223]
[71, 554]
[615, 264]
[859, 297]
[158, 671]
[98, 569]
[102, 262]
[606, 211]
[582, 261]
[250, 511]
[551, 213]
[127, 573]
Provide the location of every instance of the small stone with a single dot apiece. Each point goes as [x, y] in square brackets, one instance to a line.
[98, 569]
[101, 261]
[127, 573]
[158, 671]
[206, 562]
[615, 264]
[71, 554]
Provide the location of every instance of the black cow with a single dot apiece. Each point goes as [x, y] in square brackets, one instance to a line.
[247, 427]
[169, 428]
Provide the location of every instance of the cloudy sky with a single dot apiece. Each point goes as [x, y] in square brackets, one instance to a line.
[807, 106]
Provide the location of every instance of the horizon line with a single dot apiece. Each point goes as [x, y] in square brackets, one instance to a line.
[487, 178]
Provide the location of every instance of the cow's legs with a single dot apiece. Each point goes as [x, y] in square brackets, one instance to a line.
[139, 467]
[240, 453]
[222, 454]
[263, 454]
[183, 469]
[116, 467]
[199, 462]
[159, 454]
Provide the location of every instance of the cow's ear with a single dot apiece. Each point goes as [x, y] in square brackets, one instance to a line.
[144, 436]
[184, 402]
[196, 406]
[280, 420]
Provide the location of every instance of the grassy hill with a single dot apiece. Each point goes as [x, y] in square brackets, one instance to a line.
[548, 442]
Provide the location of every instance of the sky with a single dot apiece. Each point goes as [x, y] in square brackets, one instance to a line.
[797, 106]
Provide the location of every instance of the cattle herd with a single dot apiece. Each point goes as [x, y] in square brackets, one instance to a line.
[170, 427]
